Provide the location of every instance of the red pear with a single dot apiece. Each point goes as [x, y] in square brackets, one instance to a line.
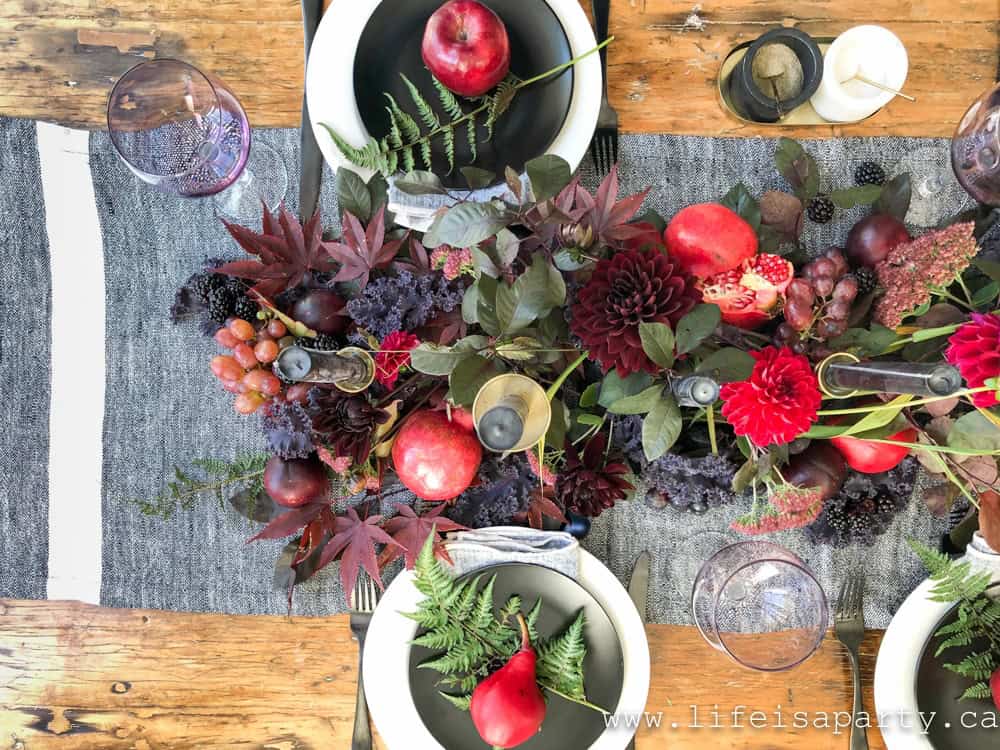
[507, 707]
[995, 687]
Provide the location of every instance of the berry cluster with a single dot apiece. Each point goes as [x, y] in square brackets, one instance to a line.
[818, 304]
[242, 371]
[224, 296]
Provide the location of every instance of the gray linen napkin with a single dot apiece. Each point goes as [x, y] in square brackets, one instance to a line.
[472, 550]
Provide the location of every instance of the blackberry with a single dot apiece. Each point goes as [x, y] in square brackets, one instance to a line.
[322, 342]
[867, 280]
[820, 209]
[869, 173]
[201, 285]
[245, 308]
[221, 301]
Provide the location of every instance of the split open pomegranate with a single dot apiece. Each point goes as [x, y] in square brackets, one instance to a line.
[753, 292]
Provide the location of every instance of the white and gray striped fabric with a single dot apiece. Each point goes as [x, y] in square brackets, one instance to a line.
[102, 396]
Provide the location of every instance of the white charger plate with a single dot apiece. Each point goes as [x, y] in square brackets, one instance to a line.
[387, 659]
[330, 90]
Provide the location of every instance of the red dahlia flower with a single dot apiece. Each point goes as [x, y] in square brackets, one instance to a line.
[975, 350]
[778, 403]
[630, 288]
[393, 356]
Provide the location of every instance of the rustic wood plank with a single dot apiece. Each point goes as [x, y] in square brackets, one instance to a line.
[75, 677]
[58, 59]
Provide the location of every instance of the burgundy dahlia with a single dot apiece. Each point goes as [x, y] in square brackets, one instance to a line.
[778, 403]
[975, 350]
[347, 424]
[588, 485]
[630, 288]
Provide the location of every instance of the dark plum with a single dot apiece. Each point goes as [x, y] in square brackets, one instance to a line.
[872, 238]
[323, 311]
[295, 482]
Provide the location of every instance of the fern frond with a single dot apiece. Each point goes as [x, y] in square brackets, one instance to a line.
[406, 155]
[979, 692]
[560, 660]
[406, 124]
[448, 100]
[427, 115]
[472, 137]
[461, 702]
[448, 136]
[425, 154]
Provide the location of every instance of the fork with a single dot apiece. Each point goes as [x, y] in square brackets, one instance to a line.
[849, 627]
[604, 147]
[364, 599]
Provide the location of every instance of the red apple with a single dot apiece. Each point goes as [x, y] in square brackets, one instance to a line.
[707, 239]
[995, 687]
[435, 457]
[872, 238]
[295, 482]
[466, 47]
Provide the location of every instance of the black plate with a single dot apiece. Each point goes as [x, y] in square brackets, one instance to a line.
[390, 45]
[568, 726]
[938, 690]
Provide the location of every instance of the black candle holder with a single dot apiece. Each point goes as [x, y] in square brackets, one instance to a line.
[753, 103]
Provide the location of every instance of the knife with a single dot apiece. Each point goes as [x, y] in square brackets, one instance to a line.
[312, 160]
[638, 588]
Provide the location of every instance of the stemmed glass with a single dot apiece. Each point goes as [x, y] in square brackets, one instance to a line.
[935, 193]
[761, 605]
[975, 149]
[186, 133]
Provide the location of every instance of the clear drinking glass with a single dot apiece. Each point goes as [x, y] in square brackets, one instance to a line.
[184, 132]
[936, 194]
[975, 149]
[761, 605]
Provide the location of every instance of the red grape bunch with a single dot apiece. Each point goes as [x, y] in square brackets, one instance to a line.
[246, 371]
[818, 304]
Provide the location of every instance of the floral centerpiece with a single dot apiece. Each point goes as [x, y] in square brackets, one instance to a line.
[624, 319]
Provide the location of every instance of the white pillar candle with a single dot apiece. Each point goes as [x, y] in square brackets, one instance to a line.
[871, 52]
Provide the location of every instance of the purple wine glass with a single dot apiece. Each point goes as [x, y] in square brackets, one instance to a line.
[186, 133]
[975, 149]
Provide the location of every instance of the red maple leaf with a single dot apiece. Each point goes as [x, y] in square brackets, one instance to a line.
[291, 522]
[363, 250]
[354, 541]
[286, 252]
[411, 531]
[541, 503]
[606, 215]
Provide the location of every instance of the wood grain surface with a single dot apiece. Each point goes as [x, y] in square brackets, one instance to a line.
[58, 58]
[77, 677]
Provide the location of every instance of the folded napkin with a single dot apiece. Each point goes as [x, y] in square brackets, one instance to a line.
[982, 556]
[473, 550]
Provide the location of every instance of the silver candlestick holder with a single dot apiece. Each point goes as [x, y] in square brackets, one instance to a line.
[350, 370]
[843, 375]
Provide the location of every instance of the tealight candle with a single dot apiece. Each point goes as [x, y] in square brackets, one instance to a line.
[864, 52]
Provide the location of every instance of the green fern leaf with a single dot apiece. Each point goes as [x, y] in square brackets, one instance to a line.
[979, 692]
[472, 137]
[461, 702]
[448, 136]
[406, 124]
[427, 115]
[448, 100]
[560, 660]
[425, 154]
[409, 163]
[395, 134]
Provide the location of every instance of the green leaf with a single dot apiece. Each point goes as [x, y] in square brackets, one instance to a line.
[661, 428]
[534, 294]
[420, 183]
[507, 246]
[477, 178]
[556, 435]
[520, 349]
[431, 359]
[483, 263]
[697, 326]
[864, 341]
[875, 419]
[353, 195]
[974, 431]
[589, 396]
[640, 403]
[727, 365]
[427, 115]
[740, 200]
[746, 474]
[469, 376]
[861, 195]
[448, 100]
[798, 168]
[895, 197]
[465, 225]
[591, 420]
[486, 305]
[990, 267]
[615, 388]
[658, 343]
[470, 305]
[985, 295]
[549, 174]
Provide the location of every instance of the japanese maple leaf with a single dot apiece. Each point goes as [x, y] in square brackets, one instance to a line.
[419, 262]
[291, 522]
[541, 503]
[287, 251]
[354, 541]
[606, 215]
[411, 531]
[362, 250]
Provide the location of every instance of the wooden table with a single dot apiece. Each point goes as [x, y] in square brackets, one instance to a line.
[73, 676]
[58, 58]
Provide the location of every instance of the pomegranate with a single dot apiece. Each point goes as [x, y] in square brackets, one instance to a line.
[707, 239]
[872, 238]
[750, 294]
[323, 311]
[295, 482]
[874, 458]
[507, 707]
[436, 457]
[466, 48]
[819, 465]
